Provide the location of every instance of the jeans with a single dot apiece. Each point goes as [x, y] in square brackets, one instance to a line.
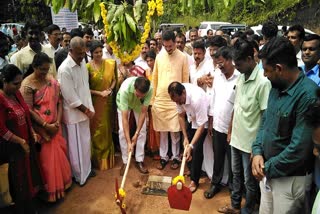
[241, 161]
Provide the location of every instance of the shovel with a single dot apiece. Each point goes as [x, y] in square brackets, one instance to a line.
[120, 193]
[180, 196]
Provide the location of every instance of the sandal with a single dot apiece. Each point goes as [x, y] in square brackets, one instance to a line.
[193, 187]
[162, 164]
[175, 164]
[228, 210]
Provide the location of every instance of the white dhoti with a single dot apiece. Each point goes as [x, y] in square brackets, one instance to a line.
[208, 156]
[141, 141]
[79, 150]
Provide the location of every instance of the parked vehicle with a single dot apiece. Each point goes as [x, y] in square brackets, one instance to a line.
[205, 26]
[257, 30]
[232, 28]
[171, 26]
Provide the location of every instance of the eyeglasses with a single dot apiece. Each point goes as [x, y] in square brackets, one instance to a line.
[309, 48]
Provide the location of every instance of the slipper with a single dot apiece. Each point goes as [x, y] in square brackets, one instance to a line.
[228, 210]
[193, 187]
[162, 164]
[175, 164]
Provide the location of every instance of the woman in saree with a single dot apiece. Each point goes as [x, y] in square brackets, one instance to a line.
[42, 94]
[17, 139]
[102, 84]
[153, 143]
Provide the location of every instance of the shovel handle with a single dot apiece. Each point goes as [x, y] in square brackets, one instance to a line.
[126, 171]
[183, 163]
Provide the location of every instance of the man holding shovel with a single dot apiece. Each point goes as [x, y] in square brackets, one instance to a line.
[192, 101]
[134, 94]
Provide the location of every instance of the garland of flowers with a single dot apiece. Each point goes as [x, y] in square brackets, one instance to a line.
[153, 5]
[177, 179]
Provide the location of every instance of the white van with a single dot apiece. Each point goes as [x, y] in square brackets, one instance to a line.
[205, 26]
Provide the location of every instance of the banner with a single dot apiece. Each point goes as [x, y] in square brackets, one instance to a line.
[65, 18]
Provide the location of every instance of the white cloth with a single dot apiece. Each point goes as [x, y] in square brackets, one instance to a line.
[204, 68]
[74, 84]
[140, 142]
[107, 55]
[142, 63]
[196, 106]
[299, 59]
[190, 58]
[208, 161]
[175, 145]
[49, 46]
[222, 100]
[79, 150]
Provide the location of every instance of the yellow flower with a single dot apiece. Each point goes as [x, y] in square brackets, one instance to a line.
[178, 178]
[122, 193]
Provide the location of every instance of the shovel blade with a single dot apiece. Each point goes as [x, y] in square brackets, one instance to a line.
[179, 199]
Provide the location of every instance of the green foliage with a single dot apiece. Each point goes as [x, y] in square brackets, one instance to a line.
[251, 12]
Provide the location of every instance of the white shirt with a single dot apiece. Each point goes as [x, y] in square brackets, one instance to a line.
[107, 55]
[196, 106]
[299, 59]
[205, 67]
[74, 84]
[222, 100]
[190, 58]
[52, 48]
[142, 63]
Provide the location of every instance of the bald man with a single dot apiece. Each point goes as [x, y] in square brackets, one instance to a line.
[77, 109]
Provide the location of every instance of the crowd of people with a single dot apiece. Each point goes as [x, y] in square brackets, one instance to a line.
[244, 109]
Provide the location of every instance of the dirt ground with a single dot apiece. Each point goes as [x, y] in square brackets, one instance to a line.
[97, 196]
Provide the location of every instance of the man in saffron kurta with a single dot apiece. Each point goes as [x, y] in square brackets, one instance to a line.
[73, 77]
[170, 65]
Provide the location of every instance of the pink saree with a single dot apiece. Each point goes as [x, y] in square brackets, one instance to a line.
[53, 155]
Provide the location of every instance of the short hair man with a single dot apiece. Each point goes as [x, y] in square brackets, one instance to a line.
[311, 56]
[251, 97]
[296, 35]
[209, 33]
[73, 77]
[170, 65]
[220, 113]
[193, 35]
[282, 151]
[141, 60]
[62, 54]
[192, 101]
[66, 37]
[153, 45]
[134, 94]
[55, 37]
[181, 43]
[269, 30]
[24, 57]
[202, 67]
[87, 37]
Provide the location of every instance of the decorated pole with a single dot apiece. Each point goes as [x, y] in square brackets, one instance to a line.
[121, 26]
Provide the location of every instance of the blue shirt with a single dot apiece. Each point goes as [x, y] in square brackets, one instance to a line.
[313, 74]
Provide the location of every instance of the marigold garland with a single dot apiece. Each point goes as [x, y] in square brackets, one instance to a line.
[153, 5]
[177, 179]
